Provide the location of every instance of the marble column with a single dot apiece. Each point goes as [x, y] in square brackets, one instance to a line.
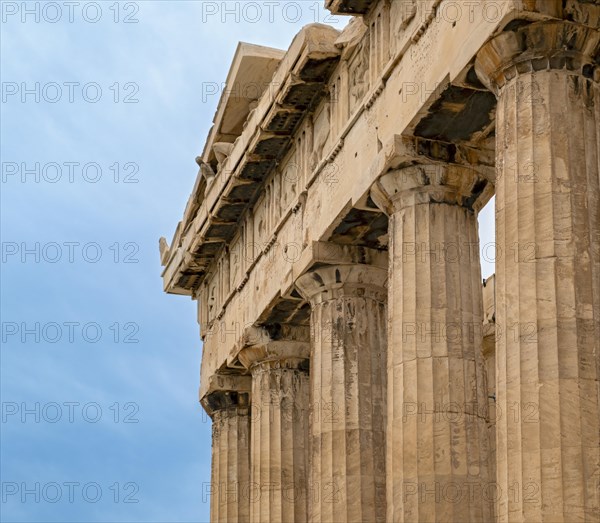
[279, 428]
[347, 392]
[437, 440]
[546, 77]
[230, 474]
[489, 356]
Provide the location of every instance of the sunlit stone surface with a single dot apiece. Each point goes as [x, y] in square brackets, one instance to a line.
[354, 364]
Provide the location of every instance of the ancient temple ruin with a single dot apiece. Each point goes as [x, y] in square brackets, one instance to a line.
[354, 366]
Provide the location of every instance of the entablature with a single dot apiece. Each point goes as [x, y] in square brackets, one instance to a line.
[249, 77]
[296, 88]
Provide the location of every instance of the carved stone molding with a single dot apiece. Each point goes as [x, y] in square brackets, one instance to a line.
[552, 45]
[434, 183]
[281, 346]
[225, 391]
[276, 354]
[329, 282]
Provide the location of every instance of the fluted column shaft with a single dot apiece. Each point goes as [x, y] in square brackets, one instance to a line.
[347, 387]
[230, 473]
[547, 271]
[437, 441]
[279, 427]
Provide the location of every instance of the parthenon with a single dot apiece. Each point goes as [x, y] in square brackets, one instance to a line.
[355, 365]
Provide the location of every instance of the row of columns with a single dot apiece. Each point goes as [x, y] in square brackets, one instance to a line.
[382, 415]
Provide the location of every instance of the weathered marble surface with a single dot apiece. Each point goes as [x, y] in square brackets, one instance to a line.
[342, 200]
[548, 288]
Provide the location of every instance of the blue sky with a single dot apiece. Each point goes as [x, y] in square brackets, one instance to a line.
[99, 367]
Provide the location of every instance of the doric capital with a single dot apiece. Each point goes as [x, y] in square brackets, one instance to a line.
[435, 183]
[283, 346]
[226, 391]
[253, 336]
[335, 281]
[540, 46]
[330, 253]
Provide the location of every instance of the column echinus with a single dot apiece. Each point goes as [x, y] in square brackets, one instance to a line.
[347, 390]
[546, 77]
[278, 361]
[437, 441]
[227, 402]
